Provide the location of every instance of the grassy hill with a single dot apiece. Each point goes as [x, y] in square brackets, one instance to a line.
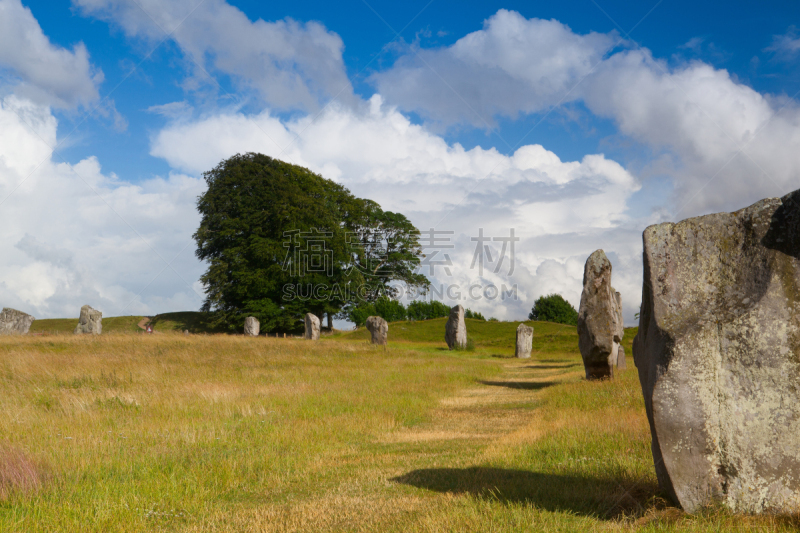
[488, 336]
[112, 324]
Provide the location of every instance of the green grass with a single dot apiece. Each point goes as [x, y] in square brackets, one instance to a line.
[193, 321]
[116, 324]
[129, 432]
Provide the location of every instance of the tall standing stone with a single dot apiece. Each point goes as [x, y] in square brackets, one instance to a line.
[524, 341]
[455, 331]
[312, 327]
[599, 320]
[90, 321]
[252, 326]
[718, 355]
[13, 322]
[379, 329]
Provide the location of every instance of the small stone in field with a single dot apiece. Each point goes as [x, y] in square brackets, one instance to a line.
[13, 322]
[311, 327]
[524, 341]
[91, 321]
[455, 331]
[379, 329]
[251, 326]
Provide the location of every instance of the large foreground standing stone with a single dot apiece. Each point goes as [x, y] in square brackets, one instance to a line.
[455, 331]
[718, 355]
[379, 329]
[524, 341]
[312, 327]
[599, 318]
[13, 322]
[91, 321]
[252, 326]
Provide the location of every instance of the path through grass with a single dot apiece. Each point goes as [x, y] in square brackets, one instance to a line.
[133, 432]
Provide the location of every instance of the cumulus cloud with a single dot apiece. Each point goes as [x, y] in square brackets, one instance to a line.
[513, 65]
[730, 144]
[40, 70]
[74, 235]
[291, 64]
[379, 154]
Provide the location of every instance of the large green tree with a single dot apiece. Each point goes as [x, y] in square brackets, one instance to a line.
[281, 241]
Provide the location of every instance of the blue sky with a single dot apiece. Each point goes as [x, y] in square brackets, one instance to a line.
[576, 123]
[732, 35]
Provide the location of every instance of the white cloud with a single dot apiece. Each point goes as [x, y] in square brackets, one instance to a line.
[513, 65]
[73, 235]
[731, 144]
[42, 71]
[292, 65]
[379, 154]
[786, 46]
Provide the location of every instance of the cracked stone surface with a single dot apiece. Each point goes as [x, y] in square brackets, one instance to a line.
[718, 356]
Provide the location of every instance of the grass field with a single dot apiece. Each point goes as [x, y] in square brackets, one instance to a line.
[132, 432]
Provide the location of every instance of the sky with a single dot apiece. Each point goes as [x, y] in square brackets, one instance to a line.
[554, 127]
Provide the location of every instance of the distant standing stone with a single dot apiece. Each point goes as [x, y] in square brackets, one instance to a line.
[312, 327]
[13, 322]
[599, 316]
[621, 364]
[251, 326]
[524, 341]
[91, 321]
[186, 332]
[379, 329]
[455, 332]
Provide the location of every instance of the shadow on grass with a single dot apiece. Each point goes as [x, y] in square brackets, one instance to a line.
[553, 367]
[603, 498]
[526, 385]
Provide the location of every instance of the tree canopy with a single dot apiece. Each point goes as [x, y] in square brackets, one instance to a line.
[554, 308]
[281, 241]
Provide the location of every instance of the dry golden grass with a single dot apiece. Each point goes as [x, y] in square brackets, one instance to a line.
[226, 433]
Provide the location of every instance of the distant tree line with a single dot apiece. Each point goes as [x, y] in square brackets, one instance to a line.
[393, 311]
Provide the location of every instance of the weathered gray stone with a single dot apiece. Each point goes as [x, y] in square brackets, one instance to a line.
[455, 331]
[13, 322]
[252, 326]
[90, 321]
[312, 327]
[379, 329]
[524, 341]
[718, 355]
[620, 331]
[621, 364]
[599, 318]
